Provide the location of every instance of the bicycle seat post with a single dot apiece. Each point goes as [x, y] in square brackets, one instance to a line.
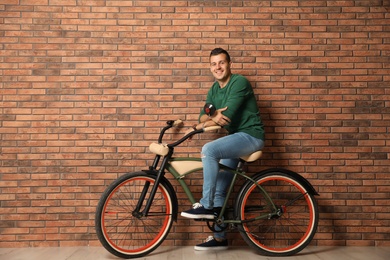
[240, 165]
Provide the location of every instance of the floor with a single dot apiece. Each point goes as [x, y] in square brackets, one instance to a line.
[187, 253]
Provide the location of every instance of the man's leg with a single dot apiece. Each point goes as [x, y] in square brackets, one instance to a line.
[223, 182]
[228, 147]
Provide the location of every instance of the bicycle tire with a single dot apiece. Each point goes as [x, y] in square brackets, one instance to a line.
[123, 233]
[283, 235]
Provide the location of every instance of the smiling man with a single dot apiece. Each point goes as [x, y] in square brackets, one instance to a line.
[238, 113]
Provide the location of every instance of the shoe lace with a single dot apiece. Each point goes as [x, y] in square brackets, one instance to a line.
[209, 238]
[197, 205]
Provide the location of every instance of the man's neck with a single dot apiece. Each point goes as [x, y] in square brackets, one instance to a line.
[223, 83]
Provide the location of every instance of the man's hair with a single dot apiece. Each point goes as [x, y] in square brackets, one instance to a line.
[218, 51]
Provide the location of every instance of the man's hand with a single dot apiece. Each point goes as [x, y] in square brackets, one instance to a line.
[219, 118]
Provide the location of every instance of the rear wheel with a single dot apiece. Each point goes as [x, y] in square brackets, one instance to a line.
[282, 230]
[122, 229]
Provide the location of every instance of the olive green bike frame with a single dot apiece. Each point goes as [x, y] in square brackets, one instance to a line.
[238, 172]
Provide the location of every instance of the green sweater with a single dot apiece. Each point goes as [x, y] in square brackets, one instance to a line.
[242, 109]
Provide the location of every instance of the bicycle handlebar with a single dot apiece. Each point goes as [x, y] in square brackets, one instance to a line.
[160, 148]
[170, 124]
[211, 128]
[206, 129]
[177, 123]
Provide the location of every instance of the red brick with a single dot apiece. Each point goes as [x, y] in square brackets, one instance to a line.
[86, 87]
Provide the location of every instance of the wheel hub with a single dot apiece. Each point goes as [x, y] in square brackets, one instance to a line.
[138, 215]
[281, 210]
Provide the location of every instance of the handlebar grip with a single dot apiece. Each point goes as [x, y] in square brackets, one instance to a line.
[178, 122]
[211, 128]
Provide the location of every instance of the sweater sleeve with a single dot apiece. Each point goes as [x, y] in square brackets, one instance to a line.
[239, 91]
[208, 100]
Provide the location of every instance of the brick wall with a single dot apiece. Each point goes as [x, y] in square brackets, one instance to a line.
[87, 84]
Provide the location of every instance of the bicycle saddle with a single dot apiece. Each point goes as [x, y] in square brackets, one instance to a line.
[252, 157]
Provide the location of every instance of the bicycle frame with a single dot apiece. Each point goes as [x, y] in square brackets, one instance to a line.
[183, 166]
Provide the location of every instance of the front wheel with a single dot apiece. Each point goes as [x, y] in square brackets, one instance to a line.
[278, 219]
[120, 225]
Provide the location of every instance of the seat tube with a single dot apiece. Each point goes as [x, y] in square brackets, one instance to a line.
[229, 192]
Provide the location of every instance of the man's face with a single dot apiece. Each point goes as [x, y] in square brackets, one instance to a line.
[220, 67]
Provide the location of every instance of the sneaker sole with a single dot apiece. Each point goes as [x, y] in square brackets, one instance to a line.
[199, 248]
[197, 216]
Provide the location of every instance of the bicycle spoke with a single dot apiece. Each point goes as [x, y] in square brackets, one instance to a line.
[288, 228]
[295, 199]
[126, 233]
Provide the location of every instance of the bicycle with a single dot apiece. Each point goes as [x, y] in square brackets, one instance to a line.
[275, 210]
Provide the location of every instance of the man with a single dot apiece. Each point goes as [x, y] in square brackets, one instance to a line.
[238, 113]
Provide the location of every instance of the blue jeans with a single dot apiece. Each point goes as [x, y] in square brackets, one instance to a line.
[225, 150]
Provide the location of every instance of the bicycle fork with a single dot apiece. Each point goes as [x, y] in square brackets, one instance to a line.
[160, 174]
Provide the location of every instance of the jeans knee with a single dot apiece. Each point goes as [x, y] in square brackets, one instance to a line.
[205, 150]
[208, 151]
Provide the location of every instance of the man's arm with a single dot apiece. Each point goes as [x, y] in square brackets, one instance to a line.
[240, 91]
[217, 119]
